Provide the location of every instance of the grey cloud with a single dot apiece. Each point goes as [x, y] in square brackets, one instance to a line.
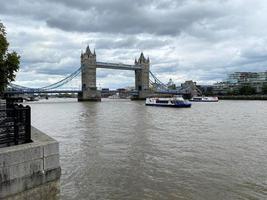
[131, 42]
[187, 39]
[255, 54]
[59, 71]
[104, 73]
[118, 16]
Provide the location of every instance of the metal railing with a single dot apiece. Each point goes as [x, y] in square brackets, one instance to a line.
[15, 125]
[2, 104]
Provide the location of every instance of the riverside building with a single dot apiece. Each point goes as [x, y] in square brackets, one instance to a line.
[236, 80]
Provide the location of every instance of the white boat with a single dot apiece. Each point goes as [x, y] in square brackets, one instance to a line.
[176, 101]
[32, 98]
[114, 96]
[205, 99]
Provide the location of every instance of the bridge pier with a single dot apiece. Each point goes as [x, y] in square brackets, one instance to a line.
[88, 71]
[142, 95]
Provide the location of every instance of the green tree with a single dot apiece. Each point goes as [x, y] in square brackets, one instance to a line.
[9, 61]
[247, 90]
[233, 91]
[264, 89]
[208, 91]
[172, 87]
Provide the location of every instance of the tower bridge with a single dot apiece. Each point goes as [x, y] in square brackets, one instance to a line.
[146, 83]
[88, 69]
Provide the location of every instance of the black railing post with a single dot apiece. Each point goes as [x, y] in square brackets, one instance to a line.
[16, 128]
[15, 125]
[28, 124]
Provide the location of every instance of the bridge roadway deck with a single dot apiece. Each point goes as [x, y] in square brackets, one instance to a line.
[41, 91]
[54, 91]
[74, 91]
[117, 66]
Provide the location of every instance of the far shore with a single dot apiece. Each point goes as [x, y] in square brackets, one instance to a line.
[243, 97]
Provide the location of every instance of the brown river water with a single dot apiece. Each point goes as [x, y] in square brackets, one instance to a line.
[121, 149]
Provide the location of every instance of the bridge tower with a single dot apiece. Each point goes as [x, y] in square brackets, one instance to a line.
[88, 73]
[142, 77]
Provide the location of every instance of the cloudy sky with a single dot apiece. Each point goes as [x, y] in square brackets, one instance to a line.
[200, 40]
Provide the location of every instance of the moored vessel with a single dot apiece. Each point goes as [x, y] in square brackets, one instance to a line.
[205, 99]
[176, 101]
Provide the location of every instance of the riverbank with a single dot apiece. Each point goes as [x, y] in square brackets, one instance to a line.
[243, 97]
[31, 170]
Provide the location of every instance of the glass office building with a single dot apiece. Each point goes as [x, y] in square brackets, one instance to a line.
[238, 79]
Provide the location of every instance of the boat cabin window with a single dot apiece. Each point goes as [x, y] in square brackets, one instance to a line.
[161, 101]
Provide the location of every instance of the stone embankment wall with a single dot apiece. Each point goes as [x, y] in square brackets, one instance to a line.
[30, 171]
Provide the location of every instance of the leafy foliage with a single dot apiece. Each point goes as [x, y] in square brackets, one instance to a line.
[264, 89]
[247, 90]
[9, 61]
[172, 87]
[208, 91]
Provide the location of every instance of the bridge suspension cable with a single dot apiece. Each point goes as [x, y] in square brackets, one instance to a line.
[63, 81]
[157, 83]
[48, 87]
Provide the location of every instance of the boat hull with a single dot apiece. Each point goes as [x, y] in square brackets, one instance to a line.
[203, 100]
[169, 105]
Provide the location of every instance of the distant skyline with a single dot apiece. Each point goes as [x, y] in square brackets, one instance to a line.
[200, 40]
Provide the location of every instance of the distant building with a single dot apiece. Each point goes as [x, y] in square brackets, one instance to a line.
[223, 88]
[123, 93]
[236, 80]
[244, 77]
[190, 87]
[105, 90]
[171, 84]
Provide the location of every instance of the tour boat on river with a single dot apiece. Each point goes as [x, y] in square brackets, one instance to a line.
[176, 101]
[205, 99]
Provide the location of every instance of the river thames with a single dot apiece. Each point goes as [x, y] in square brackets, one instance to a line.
[120, 149]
